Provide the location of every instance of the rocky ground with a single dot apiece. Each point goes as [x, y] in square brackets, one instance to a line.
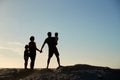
[76, 72]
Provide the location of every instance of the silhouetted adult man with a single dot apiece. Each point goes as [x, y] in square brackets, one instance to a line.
[51, 41]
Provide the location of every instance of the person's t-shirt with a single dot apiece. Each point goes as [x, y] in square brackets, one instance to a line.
[32, 46]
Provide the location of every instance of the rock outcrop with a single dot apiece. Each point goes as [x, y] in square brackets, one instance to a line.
[76, 72]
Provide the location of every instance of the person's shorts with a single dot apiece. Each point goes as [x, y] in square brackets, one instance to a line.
[53, 51]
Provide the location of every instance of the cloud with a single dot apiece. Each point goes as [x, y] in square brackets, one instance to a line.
[11, 54]
[6, 52]
[11, 49]
[15, 43]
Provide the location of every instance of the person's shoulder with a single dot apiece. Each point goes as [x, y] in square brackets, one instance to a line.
[32, 43]
[29, 43]
[46, 39]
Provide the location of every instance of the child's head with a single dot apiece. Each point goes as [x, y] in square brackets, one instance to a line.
[32, 38]
[26, 46]
[56, 34]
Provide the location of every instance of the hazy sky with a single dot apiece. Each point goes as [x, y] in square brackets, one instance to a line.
[89, 31]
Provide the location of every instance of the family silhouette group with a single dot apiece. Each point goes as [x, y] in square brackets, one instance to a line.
[31, 48]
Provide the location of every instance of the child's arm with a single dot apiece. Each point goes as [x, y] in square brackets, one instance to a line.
[37, 48]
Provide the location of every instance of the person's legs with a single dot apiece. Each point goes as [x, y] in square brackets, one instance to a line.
[26, 62]
[32, 61]
[58, 59]
[48, 61]
[57, 56]
[49, 57]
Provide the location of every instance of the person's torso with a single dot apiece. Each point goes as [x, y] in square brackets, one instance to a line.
[26, 53]
[51, 42]
[32, 46]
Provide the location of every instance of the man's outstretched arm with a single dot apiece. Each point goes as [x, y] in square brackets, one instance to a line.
[42, 46]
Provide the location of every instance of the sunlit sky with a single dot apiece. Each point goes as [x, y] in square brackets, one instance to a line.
[89, 31]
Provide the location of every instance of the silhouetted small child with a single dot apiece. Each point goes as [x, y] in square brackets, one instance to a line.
[56, 38]
[26, 56]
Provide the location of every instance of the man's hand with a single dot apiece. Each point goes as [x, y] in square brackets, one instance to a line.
[40, 51]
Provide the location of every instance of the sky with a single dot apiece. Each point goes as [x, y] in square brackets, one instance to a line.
[89, 31]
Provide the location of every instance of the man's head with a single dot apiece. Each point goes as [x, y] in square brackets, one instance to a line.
[49, 34]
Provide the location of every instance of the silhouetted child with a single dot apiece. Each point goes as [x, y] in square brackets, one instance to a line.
[26, 56]
[32, 49]
[56, 38]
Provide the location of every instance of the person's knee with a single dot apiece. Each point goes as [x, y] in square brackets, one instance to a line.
[50, 56]
[57, 55]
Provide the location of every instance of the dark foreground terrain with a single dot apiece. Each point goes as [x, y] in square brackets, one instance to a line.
[76, 72]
